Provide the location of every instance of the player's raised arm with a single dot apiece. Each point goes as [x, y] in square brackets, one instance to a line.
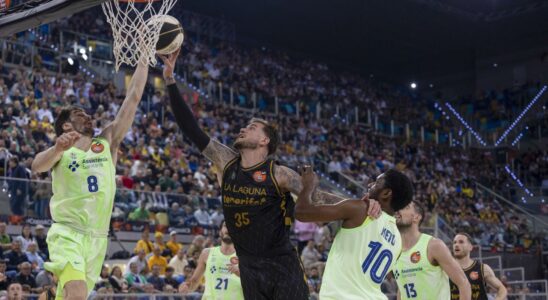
[494, 282]
[117, 129]
[450, 266]
[216, 152]
[306, 212]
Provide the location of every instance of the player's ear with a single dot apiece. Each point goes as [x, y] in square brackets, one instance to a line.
[386, 193]
[67, 126]
[265, 140]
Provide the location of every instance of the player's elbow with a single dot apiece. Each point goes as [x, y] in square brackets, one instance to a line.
[303, 214]
[36, 167]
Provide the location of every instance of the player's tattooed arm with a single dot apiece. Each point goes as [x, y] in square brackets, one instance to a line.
[219, 154]
[290, 181]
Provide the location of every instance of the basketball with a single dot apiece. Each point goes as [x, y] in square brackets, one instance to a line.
[171, 34]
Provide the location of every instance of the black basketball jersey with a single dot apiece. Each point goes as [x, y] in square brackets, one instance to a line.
[474, 273]
[257, 214]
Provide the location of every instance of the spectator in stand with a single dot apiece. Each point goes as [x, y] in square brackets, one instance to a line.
[16, 256]
[34, 257]
[117, 281]
[202, 216]
[217, 217]
[196, 246]
[314, 280]
[139, 260]
[310, 256]
[179, 262]
[44, 279]
[155, 279]
[26, 237]
[44, 113]
[15, 291]
[4, 279]
[159, 241]
[103, 279]
[169, 279]
[40, 237]
[304, 232]
[5, 239]
[334, 168]
[144, 243]
[141, 213]
[157, 260]
[25, 277]
[176, 215]
[135, 280]
[18, 186]
[187, 273]
[172, 244]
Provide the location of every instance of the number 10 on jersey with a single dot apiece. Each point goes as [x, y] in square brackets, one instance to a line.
[374, 260]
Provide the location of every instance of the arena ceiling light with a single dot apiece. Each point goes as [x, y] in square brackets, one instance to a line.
[413, 85]
[70, 61]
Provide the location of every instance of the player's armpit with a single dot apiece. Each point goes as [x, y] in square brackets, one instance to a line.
[219, 154]
[494, 282]
[290, 180]
[442, 256]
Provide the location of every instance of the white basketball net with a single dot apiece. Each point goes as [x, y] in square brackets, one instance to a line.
[134, 40]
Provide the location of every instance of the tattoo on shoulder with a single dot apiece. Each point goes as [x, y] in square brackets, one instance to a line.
[218, 153]
[288, 179]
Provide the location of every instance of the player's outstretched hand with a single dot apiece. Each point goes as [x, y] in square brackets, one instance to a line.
[66, 140]
[374, 210]
[308, 177]
[169, 63]
[184, 288]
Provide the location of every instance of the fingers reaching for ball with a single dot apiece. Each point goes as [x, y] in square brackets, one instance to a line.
[169, 63]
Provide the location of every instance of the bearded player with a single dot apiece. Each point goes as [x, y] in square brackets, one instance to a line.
[425, 262]
[220, 266]
[256, 198]
[479, 275]
[83, 169]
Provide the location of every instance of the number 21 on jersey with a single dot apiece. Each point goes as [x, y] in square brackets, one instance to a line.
[374, 260]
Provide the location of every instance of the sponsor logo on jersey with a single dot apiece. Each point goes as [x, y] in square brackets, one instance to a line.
[474, 275]
[416, 257]
[73, 166]
[396, 274]
[234, 260]
[97, 147]
[212, 269]
[259, 176]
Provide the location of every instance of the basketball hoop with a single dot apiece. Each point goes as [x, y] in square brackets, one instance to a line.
[135, 37]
